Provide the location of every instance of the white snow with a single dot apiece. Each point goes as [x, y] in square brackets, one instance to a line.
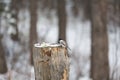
[78, 39]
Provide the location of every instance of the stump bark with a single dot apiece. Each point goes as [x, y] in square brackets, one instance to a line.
[51, 62]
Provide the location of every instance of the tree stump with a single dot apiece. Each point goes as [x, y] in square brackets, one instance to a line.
[51, 62]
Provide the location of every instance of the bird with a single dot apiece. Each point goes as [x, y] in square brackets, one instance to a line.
[64, 44]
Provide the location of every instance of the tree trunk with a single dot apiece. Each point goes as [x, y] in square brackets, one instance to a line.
[99, 56]
[87, 9]
[62, 21]
[15, 5]
[75, 8]
[51, 63]
[3, 65]
[33, 26]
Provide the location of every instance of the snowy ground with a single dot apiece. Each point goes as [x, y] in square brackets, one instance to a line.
[78, 38]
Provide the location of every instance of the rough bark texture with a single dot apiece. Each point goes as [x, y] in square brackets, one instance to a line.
[33, 26]
[51, 63]
[99, 57]
[62, 20]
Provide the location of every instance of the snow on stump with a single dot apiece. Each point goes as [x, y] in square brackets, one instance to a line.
[50, 62]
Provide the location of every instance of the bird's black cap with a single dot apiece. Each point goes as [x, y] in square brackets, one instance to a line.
[59, 39]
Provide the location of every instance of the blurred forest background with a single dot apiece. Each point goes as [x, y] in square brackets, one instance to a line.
[90, 27]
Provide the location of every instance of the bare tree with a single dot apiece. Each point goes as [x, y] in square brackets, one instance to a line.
[62, 20]
[99, 56]
[33, 26]
[87, 9]
[75, 7]
[3, 65]
[14, 8]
